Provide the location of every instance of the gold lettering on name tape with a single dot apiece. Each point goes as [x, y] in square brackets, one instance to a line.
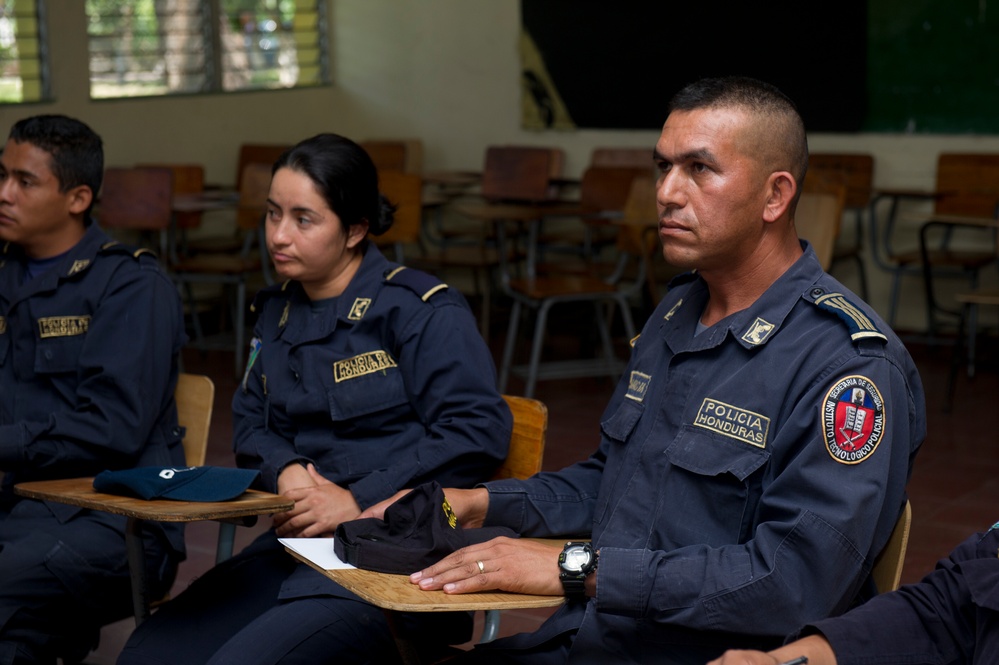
[3, 325]
[731, 421]
[63, 326]
[366, 363]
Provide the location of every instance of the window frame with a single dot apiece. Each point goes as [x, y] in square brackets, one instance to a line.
[39, 60]
[215, 77]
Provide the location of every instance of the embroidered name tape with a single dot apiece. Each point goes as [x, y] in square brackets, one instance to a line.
[731, 421]
[366, 363]
[638, 385]
[63, 326]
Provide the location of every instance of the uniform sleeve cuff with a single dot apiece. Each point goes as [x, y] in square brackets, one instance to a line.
[621, 584]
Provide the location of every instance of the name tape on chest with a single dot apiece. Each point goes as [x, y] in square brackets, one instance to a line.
[638, 386]
[3, 325]
[734, 422]
[853, 419]
[63, 326]
[361, 365]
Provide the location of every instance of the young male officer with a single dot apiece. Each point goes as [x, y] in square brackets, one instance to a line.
[753, 457]
[89, 338]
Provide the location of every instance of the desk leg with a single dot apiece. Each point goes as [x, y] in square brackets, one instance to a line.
[407, 650]
[137, 569]
[227, 536]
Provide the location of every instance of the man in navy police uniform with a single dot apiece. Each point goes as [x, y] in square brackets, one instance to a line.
[753, 457]
[89, 336]
[950, 617]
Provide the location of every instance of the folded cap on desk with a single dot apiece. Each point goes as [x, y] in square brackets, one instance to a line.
[196, 483]
[419, 530]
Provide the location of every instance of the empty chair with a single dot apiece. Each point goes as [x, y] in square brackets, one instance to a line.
[405, 192]
[856, 173]
[235, 268]
[635, 243]
[966, 185]
[139, 200]
[818, 217]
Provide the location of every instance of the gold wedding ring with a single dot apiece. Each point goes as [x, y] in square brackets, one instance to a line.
[482, 567]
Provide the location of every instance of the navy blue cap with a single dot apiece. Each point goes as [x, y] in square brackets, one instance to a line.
[419, 530]
[196, 483]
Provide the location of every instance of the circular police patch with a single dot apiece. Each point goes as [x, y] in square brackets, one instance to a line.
[853, 419]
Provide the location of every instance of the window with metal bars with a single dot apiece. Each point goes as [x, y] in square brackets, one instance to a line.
[141, 48]
[23, 72]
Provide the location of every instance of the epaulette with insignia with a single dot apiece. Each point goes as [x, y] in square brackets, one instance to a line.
[861, 326]
[115, 247]
[420, 283]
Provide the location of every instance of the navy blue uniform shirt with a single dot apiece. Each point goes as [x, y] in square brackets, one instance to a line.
[88, 366]
[746, 478]
[951, 617]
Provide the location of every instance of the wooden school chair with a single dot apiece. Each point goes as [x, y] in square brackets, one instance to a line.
[232, 270]
[523, 460]
[137, 200]
[542, 293]
[405, 192]
[855, 171]
[516, 186]
[887, 571]
[967, 185]
[818, 217]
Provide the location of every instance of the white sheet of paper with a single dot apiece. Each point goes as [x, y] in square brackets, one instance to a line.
[317, 550]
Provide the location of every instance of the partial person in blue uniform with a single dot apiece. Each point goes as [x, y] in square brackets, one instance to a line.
[950, 617]
[90, 333]
[364, 378]
[753, 457]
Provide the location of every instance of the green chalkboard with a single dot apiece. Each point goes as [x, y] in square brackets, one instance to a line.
[933, 66]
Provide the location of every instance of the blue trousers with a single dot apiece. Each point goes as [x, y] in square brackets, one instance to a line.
[235, 615]
[62, 579]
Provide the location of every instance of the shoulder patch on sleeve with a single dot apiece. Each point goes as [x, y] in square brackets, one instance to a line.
[859, 324]
[853, 419]
[418, 282]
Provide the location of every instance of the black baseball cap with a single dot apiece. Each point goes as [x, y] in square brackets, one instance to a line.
[419, 530]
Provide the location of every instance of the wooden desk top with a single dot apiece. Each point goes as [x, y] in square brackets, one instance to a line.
[81, 492]
[396, 592]
[205, 201]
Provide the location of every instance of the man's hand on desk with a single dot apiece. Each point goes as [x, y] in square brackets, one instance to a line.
[469, 506]
[814, 647]
[508, 564]
[319, 508]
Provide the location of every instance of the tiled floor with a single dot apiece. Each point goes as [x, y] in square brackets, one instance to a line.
[954, 488]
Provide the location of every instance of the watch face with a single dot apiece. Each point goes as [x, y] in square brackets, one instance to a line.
[575, 559]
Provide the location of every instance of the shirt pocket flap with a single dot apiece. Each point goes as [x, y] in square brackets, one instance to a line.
[620, 424]
[366, 394]
[708, 455]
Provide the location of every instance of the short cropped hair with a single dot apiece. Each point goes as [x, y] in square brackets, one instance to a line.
[344, 175]
[77, 151]
[781, 137]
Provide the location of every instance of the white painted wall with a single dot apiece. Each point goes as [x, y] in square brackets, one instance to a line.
[446, 71]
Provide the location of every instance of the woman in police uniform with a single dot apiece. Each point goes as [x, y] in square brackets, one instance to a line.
[364, 378]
